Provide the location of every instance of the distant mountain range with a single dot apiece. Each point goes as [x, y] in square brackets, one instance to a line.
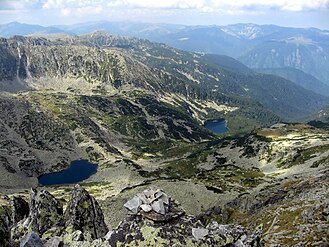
[158, 69]
[299, 77]
[257, 46]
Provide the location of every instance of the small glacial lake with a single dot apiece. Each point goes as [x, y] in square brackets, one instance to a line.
[78, 171]
[217, 126]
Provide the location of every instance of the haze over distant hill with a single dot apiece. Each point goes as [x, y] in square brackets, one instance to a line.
[299, 77]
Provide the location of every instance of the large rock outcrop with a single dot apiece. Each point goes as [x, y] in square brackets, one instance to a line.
[157, 220]
[83, 213]
[154, 219]
[45, 212]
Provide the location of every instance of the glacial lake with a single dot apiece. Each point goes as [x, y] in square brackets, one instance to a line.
[217, 126]
[78, 171]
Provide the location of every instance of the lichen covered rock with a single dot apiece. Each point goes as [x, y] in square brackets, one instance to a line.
[83, 224]
[45, 212]
[167, 225]
[83, 213]
[31, 240]
[185, 231]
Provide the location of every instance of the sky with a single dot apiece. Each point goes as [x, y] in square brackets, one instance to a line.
[292, 13]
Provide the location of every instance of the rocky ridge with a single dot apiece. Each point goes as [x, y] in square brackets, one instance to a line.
[82, 224]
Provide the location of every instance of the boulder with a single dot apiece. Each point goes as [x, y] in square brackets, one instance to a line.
[133, 204]
[108, 235]
[199, 233]
[83, 213]
[32, 239]
[158, 206]
[146, 208]
[154, 205]
[54, 242]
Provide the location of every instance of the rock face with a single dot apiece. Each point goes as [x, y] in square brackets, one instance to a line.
[45, 212]
[5, 222]
[20, 209]
[84, 213]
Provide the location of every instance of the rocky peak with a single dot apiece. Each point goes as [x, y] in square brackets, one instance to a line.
[84, 213]
[155, 219]
[45, 212]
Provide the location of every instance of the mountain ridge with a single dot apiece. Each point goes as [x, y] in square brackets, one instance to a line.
[164, 69]
[242, 41]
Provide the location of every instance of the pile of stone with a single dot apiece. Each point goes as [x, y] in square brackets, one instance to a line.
[153, 204]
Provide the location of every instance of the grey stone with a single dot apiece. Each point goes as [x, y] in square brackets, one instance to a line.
[31, 240]
[54, 242]
[158, 194]
[159, 207]
[77, 235]
[165, 198]
[308, 215]
[199, 233]
[133, 204]
[108, 235]
[143, 198]
[221, 230]
[239, 243]
[146, 208]
[149, 193]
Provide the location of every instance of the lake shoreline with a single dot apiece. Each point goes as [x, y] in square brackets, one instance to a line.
[218, 126]
[77, 171]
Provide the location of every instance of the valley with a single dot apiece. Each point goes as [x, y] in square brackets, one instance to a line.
[137, 109]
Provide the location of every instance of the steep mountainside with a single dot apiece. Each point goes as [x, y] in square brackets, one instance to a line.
[296, 52]
[156, 68]
[277, 47]
[307, 81]
[209, 39]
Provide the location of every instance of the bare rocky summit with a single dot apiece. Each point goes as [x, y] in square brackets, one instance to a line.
[82, 224]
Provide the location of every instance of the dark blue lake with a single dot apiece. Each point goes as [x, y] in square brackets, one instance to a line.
[217, 126]
[78, 170]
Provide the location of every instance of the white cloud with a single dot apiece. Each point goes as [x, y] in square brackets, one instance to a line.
[82, 11]
[20, 4]
[49, 4]
[167, 4]
[200, 5]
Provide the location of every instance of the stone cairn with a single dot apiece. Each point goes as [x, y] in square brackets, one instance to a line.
[155, 205]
